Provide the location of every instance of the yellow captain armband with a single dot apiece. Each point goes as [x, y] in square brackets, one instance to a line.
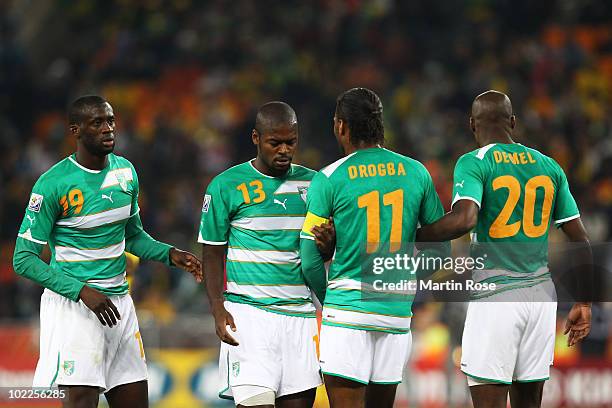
[312, 220]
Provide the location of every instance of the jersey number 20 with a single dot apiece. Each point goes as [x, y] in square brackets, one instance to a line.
[500, 227]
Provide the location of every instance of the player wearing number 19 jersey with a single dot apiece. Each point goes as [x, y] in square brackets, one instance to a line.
[511, 195]
[376, 198]
[86, 209]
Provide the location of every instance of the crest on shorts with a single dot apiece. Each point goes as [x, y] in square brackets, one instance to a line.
[303, 190]
[68, 367]
[236, 368]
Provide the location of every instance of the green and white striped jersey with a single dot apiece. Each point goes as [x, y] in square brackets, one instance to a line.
[82, 215]
[521, 193]
[377, 198]
[259, 217]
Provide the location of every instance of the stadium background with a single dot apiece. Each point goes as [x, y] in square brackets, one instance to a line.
[185, 78]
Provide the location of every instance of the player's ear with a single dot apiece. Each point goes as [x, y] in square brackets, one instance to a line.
[255, 137]
[472, 124]
[512, 121]
[74, 129]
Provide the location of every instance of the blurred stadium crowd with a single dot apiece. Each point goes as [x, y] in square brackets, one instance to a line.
[186, 77]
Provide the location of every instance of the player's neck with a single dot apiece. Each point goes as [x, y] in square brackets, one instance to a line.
[91, 161]
[350, 148]
[261, 167]
[486, 138]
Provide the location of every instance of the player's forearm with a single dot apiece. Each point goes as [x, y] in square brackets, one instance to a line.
[313, 267]
[141, 244]
[582, 259]
[453, 225]
[27, 263]
[212, 258]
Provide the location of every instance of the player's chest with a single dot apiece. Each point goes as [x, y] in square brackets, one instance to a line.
[259, 197]
[97, 194]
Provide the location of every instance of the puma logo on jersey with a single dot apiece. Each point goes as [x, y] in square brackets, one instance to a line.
[460, 184]
[31, 219]
[108, 197]
[283, 203]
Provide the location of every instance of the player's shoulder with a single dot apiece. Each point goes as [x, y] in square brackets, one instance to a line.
[56, 174]
[119, 161]
[299, 172]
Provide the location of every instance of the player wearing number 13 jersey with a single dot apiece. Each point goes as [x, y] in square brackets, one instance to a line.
[376, 198]
[252, 216]
[511, 195]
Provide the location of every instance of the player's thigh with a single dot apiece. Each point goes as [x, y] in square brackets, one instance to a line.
[526, 395]
[255, 361]
[489, 395]
[536, 349]
[303, 399]
[380, 395]
[344, 393]
[391, 353]
[132, 395]
[346, 353]
[126, 364]
[76, 396]
[76, 344]
[300, 364]
[491, 338]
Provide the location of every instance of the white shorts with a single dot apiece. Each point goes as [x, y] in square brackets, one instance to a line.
[364, 356]
[76, 349]
[510, 341]
[275, 351]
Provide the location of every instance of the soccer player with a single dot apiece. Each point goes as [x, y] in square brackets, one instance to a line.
[511, 194]
[86, 209]
[376, 198]
[252, 215]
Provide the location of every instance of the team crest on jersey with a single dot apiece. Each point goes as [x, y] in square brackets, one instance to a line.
[236, 368]
[68, 367]
[122, 181]
[206, 204]
[35, 202]
[303, 190]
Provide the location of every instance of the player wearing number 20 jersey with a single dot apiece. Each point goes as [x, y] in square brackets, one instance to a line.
[510, 195]
[519, 191]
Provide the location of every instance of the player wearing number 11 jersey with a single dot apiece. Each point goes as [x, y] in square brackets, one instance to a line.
[511, 195]
[376, 198]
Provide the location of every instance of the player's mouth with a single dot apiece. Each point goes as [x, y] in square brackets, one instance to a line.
[108, 142]
[282, 161]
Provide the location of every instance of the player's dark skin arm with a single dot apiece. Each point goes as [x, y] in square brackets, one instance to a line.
[325, 239]
[578, 323]
[459, 221]
[212, 257]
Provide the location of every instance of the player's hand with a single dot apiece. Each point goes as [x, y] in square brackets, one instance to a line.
[223, 318]
[101, 305]
[578, 323]
[325, 238]
[187, 261]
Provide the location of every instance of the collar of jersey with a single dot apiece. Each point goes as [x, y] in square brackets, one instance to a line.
[80, 166]
[265, 175]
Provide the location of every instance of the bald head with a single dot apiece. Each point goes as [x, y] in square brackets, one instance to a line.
[492, 119]
[275, 115]
[492, 107]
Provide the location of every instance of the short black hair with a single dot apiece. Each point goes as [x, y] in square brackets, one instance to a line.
[362, 110]
[274, 114]
[80, 106]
